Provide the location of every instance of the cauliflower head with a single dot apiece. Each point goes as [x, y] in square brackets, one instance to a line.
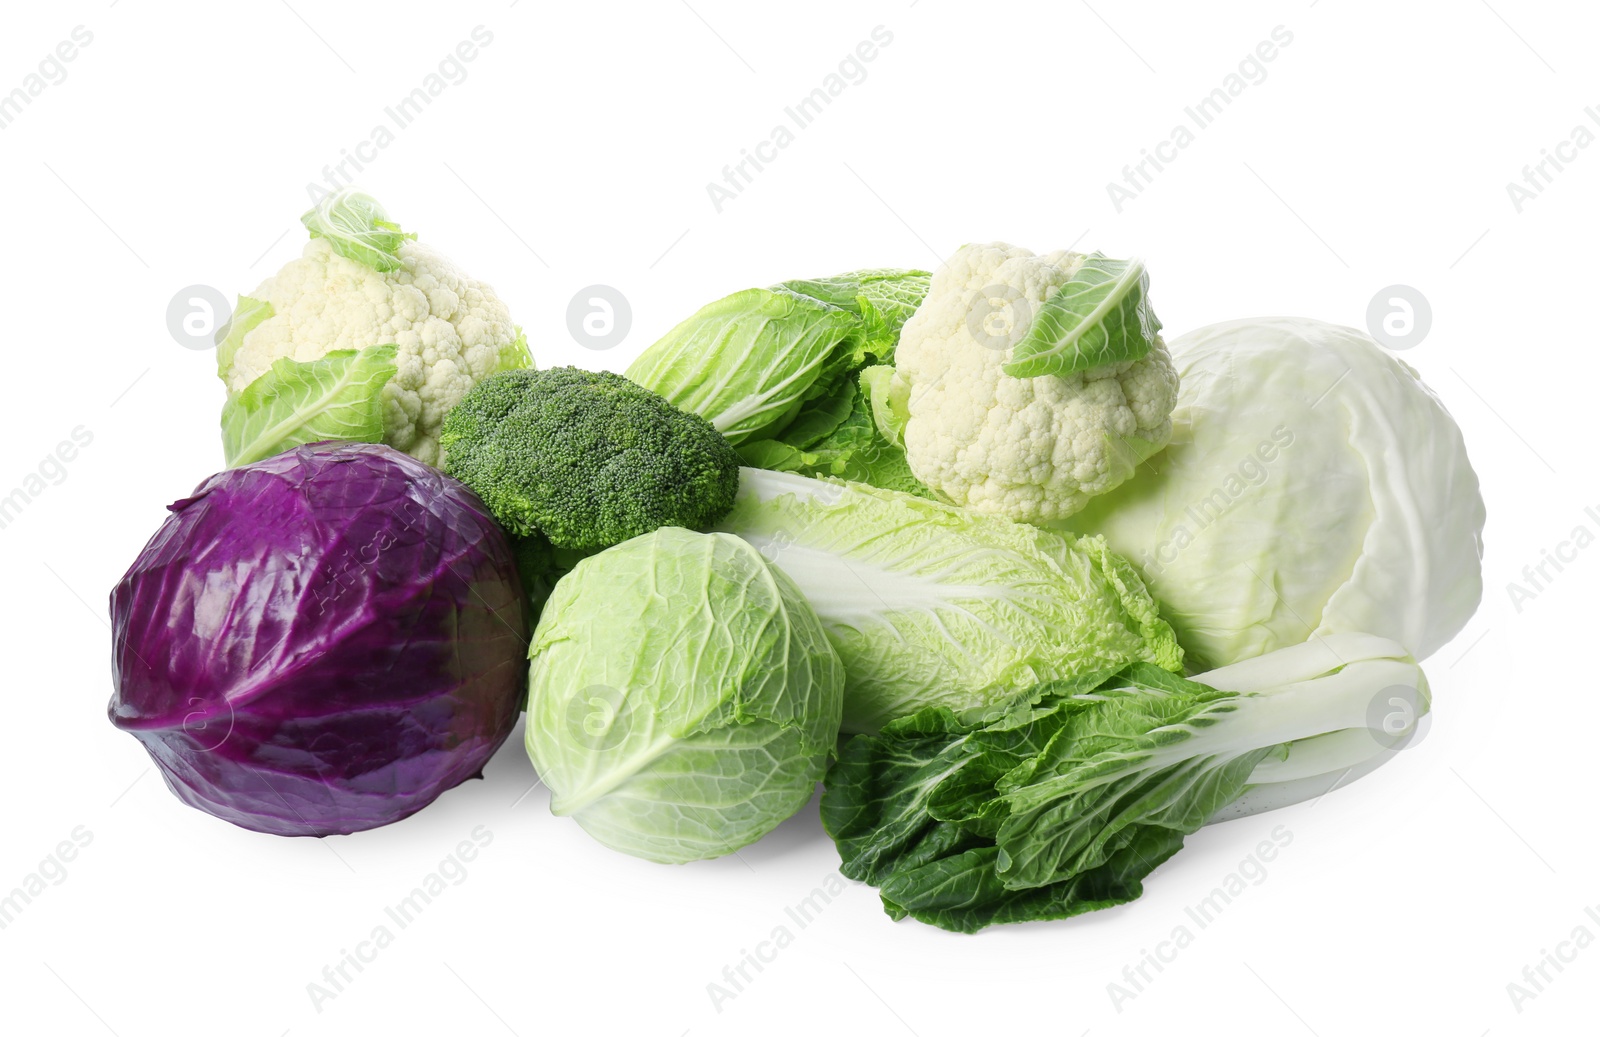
[1032, 449]
[452, 332]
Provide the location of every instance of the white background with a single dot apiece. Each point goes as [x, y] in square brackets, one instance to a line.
[577, 151]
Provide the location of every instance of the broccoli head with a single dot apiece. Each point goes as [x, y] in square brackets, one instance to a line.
[587, 458]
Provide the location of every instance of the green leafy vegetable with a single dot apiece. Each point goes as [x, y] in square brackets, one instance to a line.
[336, 397]
[889, 294]
[746, 362]
[683, 699]
[1101, 316]
[1065, 803]
[777, 371]
[934, 605]
[357, 228]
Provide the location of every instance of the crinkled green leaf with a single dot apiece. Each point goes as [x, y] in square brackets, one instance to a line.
[1101, 316]
[964, 893]
[934, 605]
[820, 419]
[1064, 802]
[854, 436]
[339, 396]
[1063, 805]
[893, 293]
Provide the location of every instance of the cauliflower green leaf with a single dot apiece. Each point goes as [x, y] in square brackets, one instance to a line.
[1100, 316]
[1035, 449]
[357, 228]
[247, 313]
[336, 397]
[360, 282]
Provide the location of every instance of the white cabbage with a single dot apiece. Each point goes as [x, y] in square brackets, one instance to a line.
[1313, 485]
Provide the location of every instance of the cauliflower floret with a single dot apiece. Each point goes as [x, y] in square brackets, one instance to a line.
[1032, 449]
[452, 331]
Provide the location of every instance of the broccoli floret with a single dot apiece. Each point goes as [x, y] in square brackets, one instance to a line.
[588, 458]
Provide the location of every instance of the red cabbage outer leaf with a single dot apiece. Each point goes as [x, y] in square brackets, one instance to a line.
[321, 642]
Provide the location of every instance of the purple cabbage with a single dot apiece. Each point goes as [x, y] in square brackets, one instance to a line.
[321, 642]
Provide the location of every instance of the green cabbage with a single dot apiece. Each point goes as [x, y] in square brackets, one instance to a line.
[934, 605]
[683, 699]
